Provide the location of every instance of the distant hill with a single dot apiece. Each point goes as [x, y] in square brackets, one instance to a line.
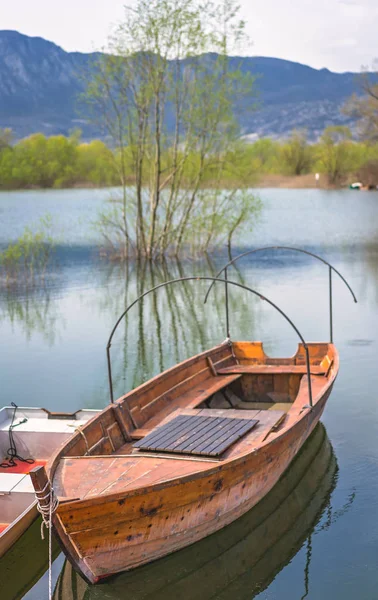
[40, 83]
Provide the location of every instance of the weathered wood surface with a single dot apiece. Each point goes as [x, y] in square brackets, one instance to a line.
[93, 476]
[240, 557]
[272, 369]
[203, 435]
[135, 509]
[192, 398]
[159, 392]
[253, 353]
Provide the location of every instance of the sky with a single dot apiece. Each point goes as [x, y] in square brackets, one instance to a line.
[338, 34]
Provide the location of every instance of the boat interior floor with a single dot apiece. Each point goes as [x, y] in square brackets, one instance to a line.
[220, 395]
[130, 468]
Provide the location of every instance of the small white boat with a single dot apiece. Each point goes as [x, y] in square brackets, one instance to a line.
[28, 437]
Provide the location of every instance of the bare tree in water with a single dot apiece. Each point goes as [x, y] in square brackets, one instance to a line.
[166, 93]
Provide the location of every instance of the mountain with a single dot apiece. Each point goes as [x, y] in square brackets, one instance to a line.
[40, 84]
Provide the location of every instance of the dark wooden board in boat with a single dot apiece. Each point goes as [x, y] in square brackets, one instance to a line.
[200, 435]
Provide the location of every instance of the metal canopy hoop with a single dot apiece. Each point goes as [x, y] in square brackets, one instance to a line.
[330, 269]
[213, 280]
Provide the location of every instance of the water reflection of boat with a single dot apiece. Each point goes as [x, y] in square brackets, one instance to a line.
[25, 563]
[240, 560]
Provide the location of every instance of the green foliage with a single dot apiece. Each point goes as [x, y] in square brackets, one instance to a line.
[337, 153]
[26, 260]
[55, 162]
[263, 156]
[297, 154]
[96, 164]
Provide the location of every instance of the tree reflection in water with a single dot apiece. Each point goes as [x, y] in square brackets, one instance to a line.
[33, 310]
[169, 325]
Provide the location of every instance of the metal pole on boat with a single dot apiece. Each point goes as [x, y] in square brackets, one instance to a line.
[308, 374]
[227, 313]
[110, 374]
[330, 306]
[290, 248]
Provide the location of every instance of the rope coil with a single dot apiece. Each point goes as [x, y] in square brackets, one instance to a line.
[48, 509]
[12, 454]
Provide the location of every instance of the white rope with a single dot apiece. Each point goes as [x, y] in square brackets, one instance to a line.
[47, 511]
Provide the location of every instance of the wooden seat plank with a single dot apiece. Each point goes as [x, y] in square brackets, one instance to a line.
[232, 435]
[164, 434]
[272, 369]
[160, 435]
[224, 425]
[202, 392]
[193, 434]
[175, 430]
[203, 435]
[209, 428]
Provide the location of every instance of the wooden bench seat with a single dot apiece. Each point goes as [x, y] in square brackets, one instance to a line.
[272, 370]
[203, 435]
[191, 399]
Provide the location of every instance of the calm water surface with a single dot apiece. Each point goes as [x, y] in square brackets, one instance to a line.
[320, 528]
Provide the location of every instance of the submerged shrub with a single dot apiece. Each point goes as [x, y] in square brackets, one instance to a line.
[26, 260]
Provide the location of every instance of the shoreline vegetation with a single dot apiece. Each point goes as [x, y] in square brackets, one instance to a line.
[60, 162]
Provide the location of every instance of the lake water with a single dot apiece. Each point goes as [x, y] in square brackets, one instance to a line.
[52, 349]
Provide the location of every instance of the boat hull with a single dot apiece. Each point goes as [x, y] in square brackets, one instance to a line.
[243, 558]
[105, 536]
[39, 433]
[17, 528]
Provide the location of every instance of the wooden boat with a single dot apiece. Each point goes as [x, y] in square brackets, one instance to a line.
[242, 559]
[186, 453]
[34, 434]
[124, 503]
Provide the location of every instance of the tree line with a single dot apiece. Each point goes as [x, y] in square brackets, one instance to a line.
[63, 162]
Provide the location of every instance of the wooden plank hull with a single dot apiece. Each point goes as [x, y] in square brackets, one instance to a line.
[120, 510]
[181, 513]
[242, 559]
